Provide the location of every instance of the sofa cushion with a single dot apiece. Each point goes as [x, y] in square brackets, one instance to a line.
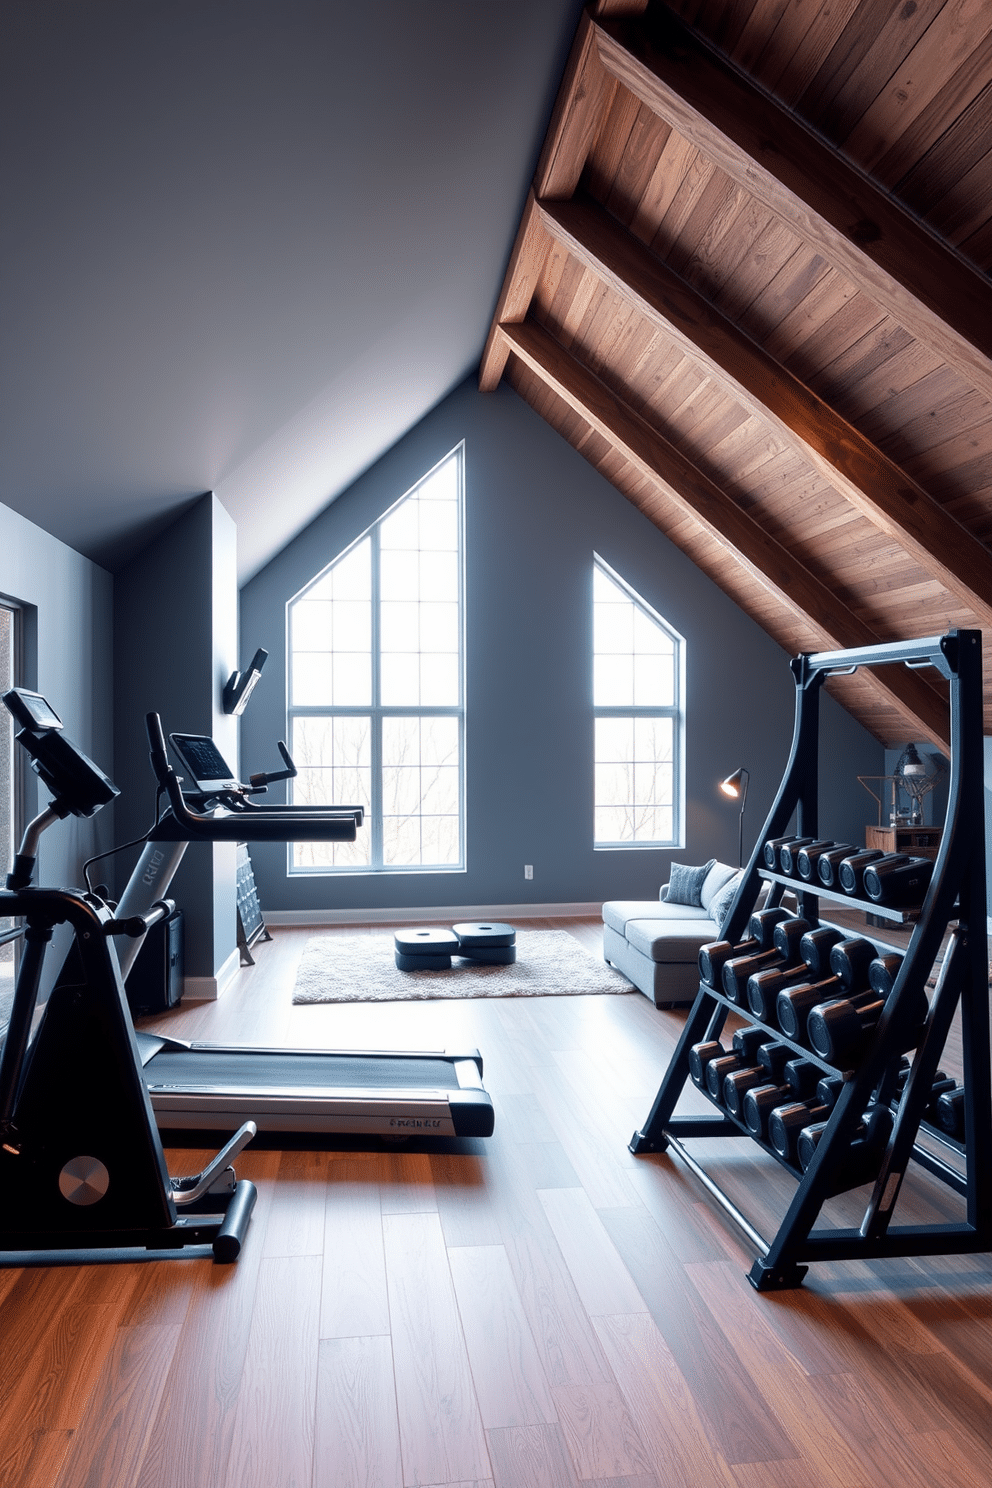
[717, 878]
[685, 884]
[617, 913]
[721, 901]
[670, 940]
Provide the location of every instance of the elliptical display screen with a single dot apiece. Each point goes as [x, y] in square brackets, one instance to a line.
[31, 710]
[203, 761]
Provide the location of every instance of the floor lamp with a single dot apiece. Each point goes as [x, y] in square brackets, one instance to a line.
[736, 786]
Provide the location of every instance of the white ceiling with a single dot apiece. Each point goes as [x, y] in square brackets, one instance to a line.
[246, 244]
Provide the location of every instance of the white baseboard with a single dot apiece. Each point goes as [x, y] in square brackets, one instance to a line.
[303, 917]
[209, 989]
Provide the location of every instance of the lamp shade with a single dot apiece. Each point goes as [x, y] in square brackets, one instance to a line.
[735, 784]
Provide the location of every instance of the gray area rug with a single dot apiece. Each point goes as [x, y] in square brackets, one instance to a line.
[361, 968]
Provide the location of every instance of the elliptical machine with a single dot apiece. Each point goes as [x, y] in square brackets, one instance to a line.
[82, 1170]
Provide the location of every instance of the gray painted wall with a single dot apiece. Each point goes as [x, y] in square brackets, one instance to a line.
[175, 644]
[68, 656]
[536, 512]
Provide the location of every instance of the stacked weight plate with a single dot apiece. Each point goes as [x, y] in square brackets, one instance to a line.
[490, 943]
[424, 949]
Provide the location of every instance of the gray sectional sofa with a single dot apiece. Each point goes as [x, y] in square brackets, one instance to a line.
[655, 942]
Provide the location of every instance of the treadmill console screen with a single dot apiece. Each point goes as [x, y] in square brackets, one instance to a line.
[200, 757]
[31, 710]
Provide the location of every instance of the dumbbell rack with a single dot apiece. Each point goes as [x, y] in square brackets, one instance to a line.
[956, 898]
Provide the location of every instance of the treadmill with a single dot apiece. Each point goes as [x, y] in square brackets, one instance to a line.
[204, 1087]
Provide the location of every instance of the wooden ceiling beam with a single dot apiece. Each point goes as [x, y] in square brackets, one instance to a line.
[873, 484]
[527, 260]
[585, 94]
[692, 492]
[934, 293]
[583, 99]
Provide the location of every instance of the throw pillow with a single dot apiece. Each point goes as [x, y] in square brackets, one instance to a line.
[720, 905]
[685, 885]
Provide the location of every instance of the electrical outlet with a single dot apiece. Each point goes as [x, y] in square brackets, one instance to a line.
[528, 870]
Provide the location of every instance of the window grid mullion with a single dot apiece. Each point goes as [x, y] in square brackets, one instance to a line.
[376, 712]
[375, 785]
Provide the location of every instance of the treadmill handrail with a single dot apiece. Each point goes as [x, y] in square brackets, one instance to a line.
[226, 826]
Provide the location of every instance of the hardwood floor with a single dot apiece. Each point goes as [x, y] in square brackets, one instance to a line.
[537, 1310]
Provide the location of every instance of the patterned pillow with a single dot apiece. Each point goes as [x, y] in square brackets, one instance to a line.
[721, 902]
[685, 885]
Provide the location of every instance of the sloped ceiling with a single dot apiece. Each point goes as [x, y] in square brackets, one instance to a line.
[751, 286]
[246, 244]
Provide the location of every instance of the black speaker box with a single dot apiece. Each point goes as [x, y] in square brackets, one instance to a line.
[155, 981]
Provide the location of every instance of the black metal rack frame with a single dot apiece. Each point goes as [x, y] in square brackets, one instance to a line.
[956, 897]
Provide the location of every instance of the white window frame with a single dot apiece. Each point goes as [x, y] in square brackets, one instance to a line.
[675, 711]
[376, 711]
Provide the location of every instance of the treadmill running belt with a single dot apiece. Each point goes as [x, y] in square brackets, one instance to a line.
[186, 1069]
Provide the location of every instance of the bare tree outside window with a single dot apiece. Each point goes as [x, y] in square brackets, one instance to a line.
[376, 686]
[637, 687]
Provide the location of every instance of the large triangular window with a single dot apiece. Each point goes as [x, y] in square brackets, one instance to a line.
[637, 703]
[376, 707]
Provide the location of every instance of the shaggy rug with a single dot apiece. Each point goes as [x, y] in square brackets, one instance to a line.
[361, 968]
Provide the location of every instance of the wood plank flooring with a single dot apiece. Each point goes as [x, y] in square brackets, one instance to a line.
[537, 1310]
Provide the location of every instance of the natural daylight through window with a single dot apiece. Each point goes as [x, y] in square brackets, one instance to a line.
[376, 703]
[637, 703]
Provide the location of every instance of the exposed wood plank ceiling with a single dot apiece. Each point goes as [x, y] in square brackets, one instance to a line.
[751, 286]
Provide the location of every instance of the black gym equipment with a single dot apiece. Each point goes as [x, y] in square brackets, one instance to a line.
[792, 854]
[424, 949]
[873, 1129]
[898, 885]
[490, 944]
[199, 1087]
[815, 948]
[828, 864]
[715, 955]
[808, 857]
[82, 1169]
[307, 1092]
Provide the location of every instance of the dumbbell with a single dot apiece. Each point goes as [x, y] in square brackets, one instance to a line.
[796, 1081]
[940, 1090]
[772, 850]
[809, 1140]
[949, 1112]
[942, 1087]
[828, 863]
[716, 953]
[745, 1046]
[786, 935]
[883, 971]
[715, 1066]
[861, 1158]
[849, 961]
[789, 853]
[700, 1056]
[766, 1067]
[898, 885]
[786, 1122]
[814, 948]
[840, 1029]
[807, 858]
[764, 987]
[851, 874]
[722, 1075]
